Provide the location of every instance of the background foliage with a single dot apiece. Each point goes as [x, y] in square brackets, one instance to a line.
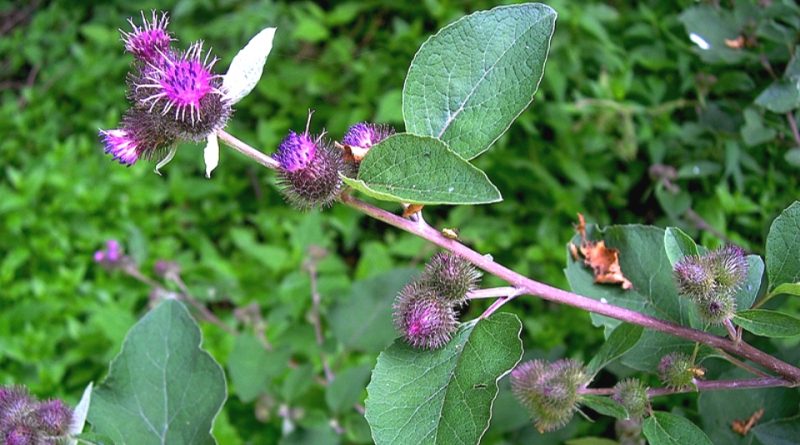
[633, 123]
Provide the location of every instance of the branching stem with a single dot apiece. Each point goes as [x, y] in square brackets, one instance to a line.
[712, 385]
[790, 373]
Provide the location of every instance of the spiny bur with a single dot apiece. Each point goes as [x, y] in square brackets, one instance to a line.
[425, 321]
[632, 395]
[549, 390]
[450, 277]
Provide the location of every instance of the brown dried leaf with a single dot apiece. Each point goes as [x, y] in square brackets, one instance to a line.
[736, 43]
[603, 260]
[411, 209]
[742, 427]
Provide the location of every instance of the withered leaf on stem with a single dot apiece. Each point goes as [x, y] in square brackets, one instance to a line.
[603, 260]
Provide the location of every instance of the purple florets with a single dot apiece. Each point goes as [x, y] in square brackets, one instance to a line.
[296, 152]
[122, 145]
[149, 41]
[187, 92]
[25, 421]
[112, 255]
[424, 321]
[365, 135]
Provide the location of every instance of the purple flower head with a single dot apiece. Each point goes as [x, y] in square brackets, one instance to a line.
[184, 86]
[310, 168]
[296, 152]
[729, 265]
[549, 390]
[164, 268]
[450, 277]
[121, 144]
[693, 278]
[632, 394]
[361, 136]
[149, 41]
[112, 255]
[15, 402]
[425, 321]
[54, 416]
[717, 308]
[143, 135]
[20, 434]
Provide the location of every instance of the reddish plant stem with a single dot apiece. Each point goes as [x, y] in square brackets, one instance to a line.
[713, 385]
[316, 320]
[541, 290]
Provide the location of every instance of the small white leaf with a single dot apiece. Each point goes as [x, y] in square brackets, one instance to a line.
[211, 154]
[247, 66]
[79, 414]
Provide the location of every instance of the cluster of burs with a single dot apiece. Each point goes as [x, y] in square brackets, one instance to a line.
[26, 421]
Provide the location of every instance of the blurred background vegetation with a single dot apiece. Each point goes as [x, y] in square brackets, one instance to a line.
[633, 123]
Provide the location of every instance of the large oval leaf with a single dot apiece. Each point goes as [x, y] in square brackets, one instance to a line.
[783, 243]
[421, 170]
[443, 396]
[162, 388]
[468, 83]
[668, 429]
[768, 323]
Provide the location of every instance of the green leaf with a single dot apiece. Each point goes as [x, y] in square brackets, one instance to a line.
[622, 338]
[421, 170]
[792, 157]
[443, 396]
[768, 323]
[668, 429]
[345, 390]
[753, 131]
[783, 245]
[780, 97]
[251, 367]
[678, 245]
[708, 28]
[591, 441]
[162, 387]
[779, 432]
[748, 292]
[605, 405]
[468, 83]
[787, 288]
[720, 408]
[370, 302]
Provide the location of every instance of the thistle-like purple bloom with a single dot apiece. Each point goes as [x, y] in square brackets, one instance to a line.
[364, 135]
[309, 170]
[111, 255]
[25, 421]
[425, 321]
[122, 144]
[143, 135]
[186, 89]
[149, 41]
[296, 152]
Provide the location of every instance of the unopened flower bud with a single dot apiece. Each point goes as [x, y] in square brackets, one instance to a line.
[717, 308]
[111, 256]
[450, 277]
[693, 278]
[426, 322]
[632, 395]
[549, 390]
[729, 265]
[309, 171]
[149, 41]
[676, 370]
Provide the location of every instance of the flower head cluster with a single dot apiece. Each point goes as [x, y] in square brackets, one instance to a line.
[175, 95]
[676, 370]
[712, 280]
[26, 421]
[425, 310]
[549, 390]
[111, 256]
[632, 395]
[360, 137]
